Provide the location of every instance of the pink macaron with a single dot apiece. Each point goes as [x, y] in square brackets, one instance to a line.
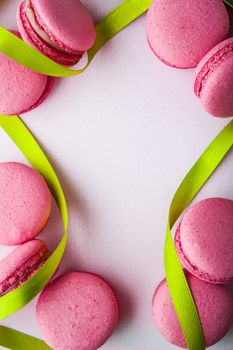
[214, 304]
[21, 264]
[61, 30]
[77, 308]
[25, 203]
[204, 240]
[21, 89]
[213, 80]
[181, 32]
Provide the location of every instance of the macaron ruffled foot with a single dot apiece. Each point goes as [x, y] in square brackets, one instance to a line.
[213, 80]
[204, 240]
[21, 264]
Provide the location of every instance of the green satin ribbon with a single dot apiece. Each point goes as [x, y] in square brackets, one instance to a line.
[26, 55]
[112, 24]
[191, 185]
[181, 295]
[24, 140]
[18, 298]
[229, 3]
[14, 127]
[11, 339]
[15, 48]
[205, 166]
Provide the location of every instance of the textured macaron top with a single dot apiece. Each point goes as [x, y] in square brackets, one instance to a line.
[21, 89]
[25, 203]
[204, 240]
[77, 308]
[214, 304]
[181, 32]
[21, 263]
[67, 23]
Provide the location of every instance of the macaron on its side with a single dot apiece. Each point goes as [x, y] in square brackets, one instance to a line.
[204, 240]
[32, 38]
[179, 31]
[21, 89]
[25, 203]
[77, 308]
[214, 304]
[22, 263]
[213, 80]
[61, 30]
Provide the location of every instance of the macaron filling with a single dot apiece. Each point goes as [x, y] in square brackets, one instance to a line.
[31, 16]
[210, 66]
[25, 271]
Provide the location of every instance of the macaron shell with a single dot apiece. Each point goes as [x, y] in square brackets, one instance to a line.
[28, 34]
[215, 308]
[45, 94]
[181, 32]
[213, 80]
[18, 257]
[217, 95]
[25, 203]
[77, 308]
[212, 58]
[204, 240]
[21, 89]
[21, 263]
[68, 24]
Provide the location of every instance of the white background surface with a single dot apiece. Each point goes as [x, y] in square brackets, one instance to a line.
[121, 137]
